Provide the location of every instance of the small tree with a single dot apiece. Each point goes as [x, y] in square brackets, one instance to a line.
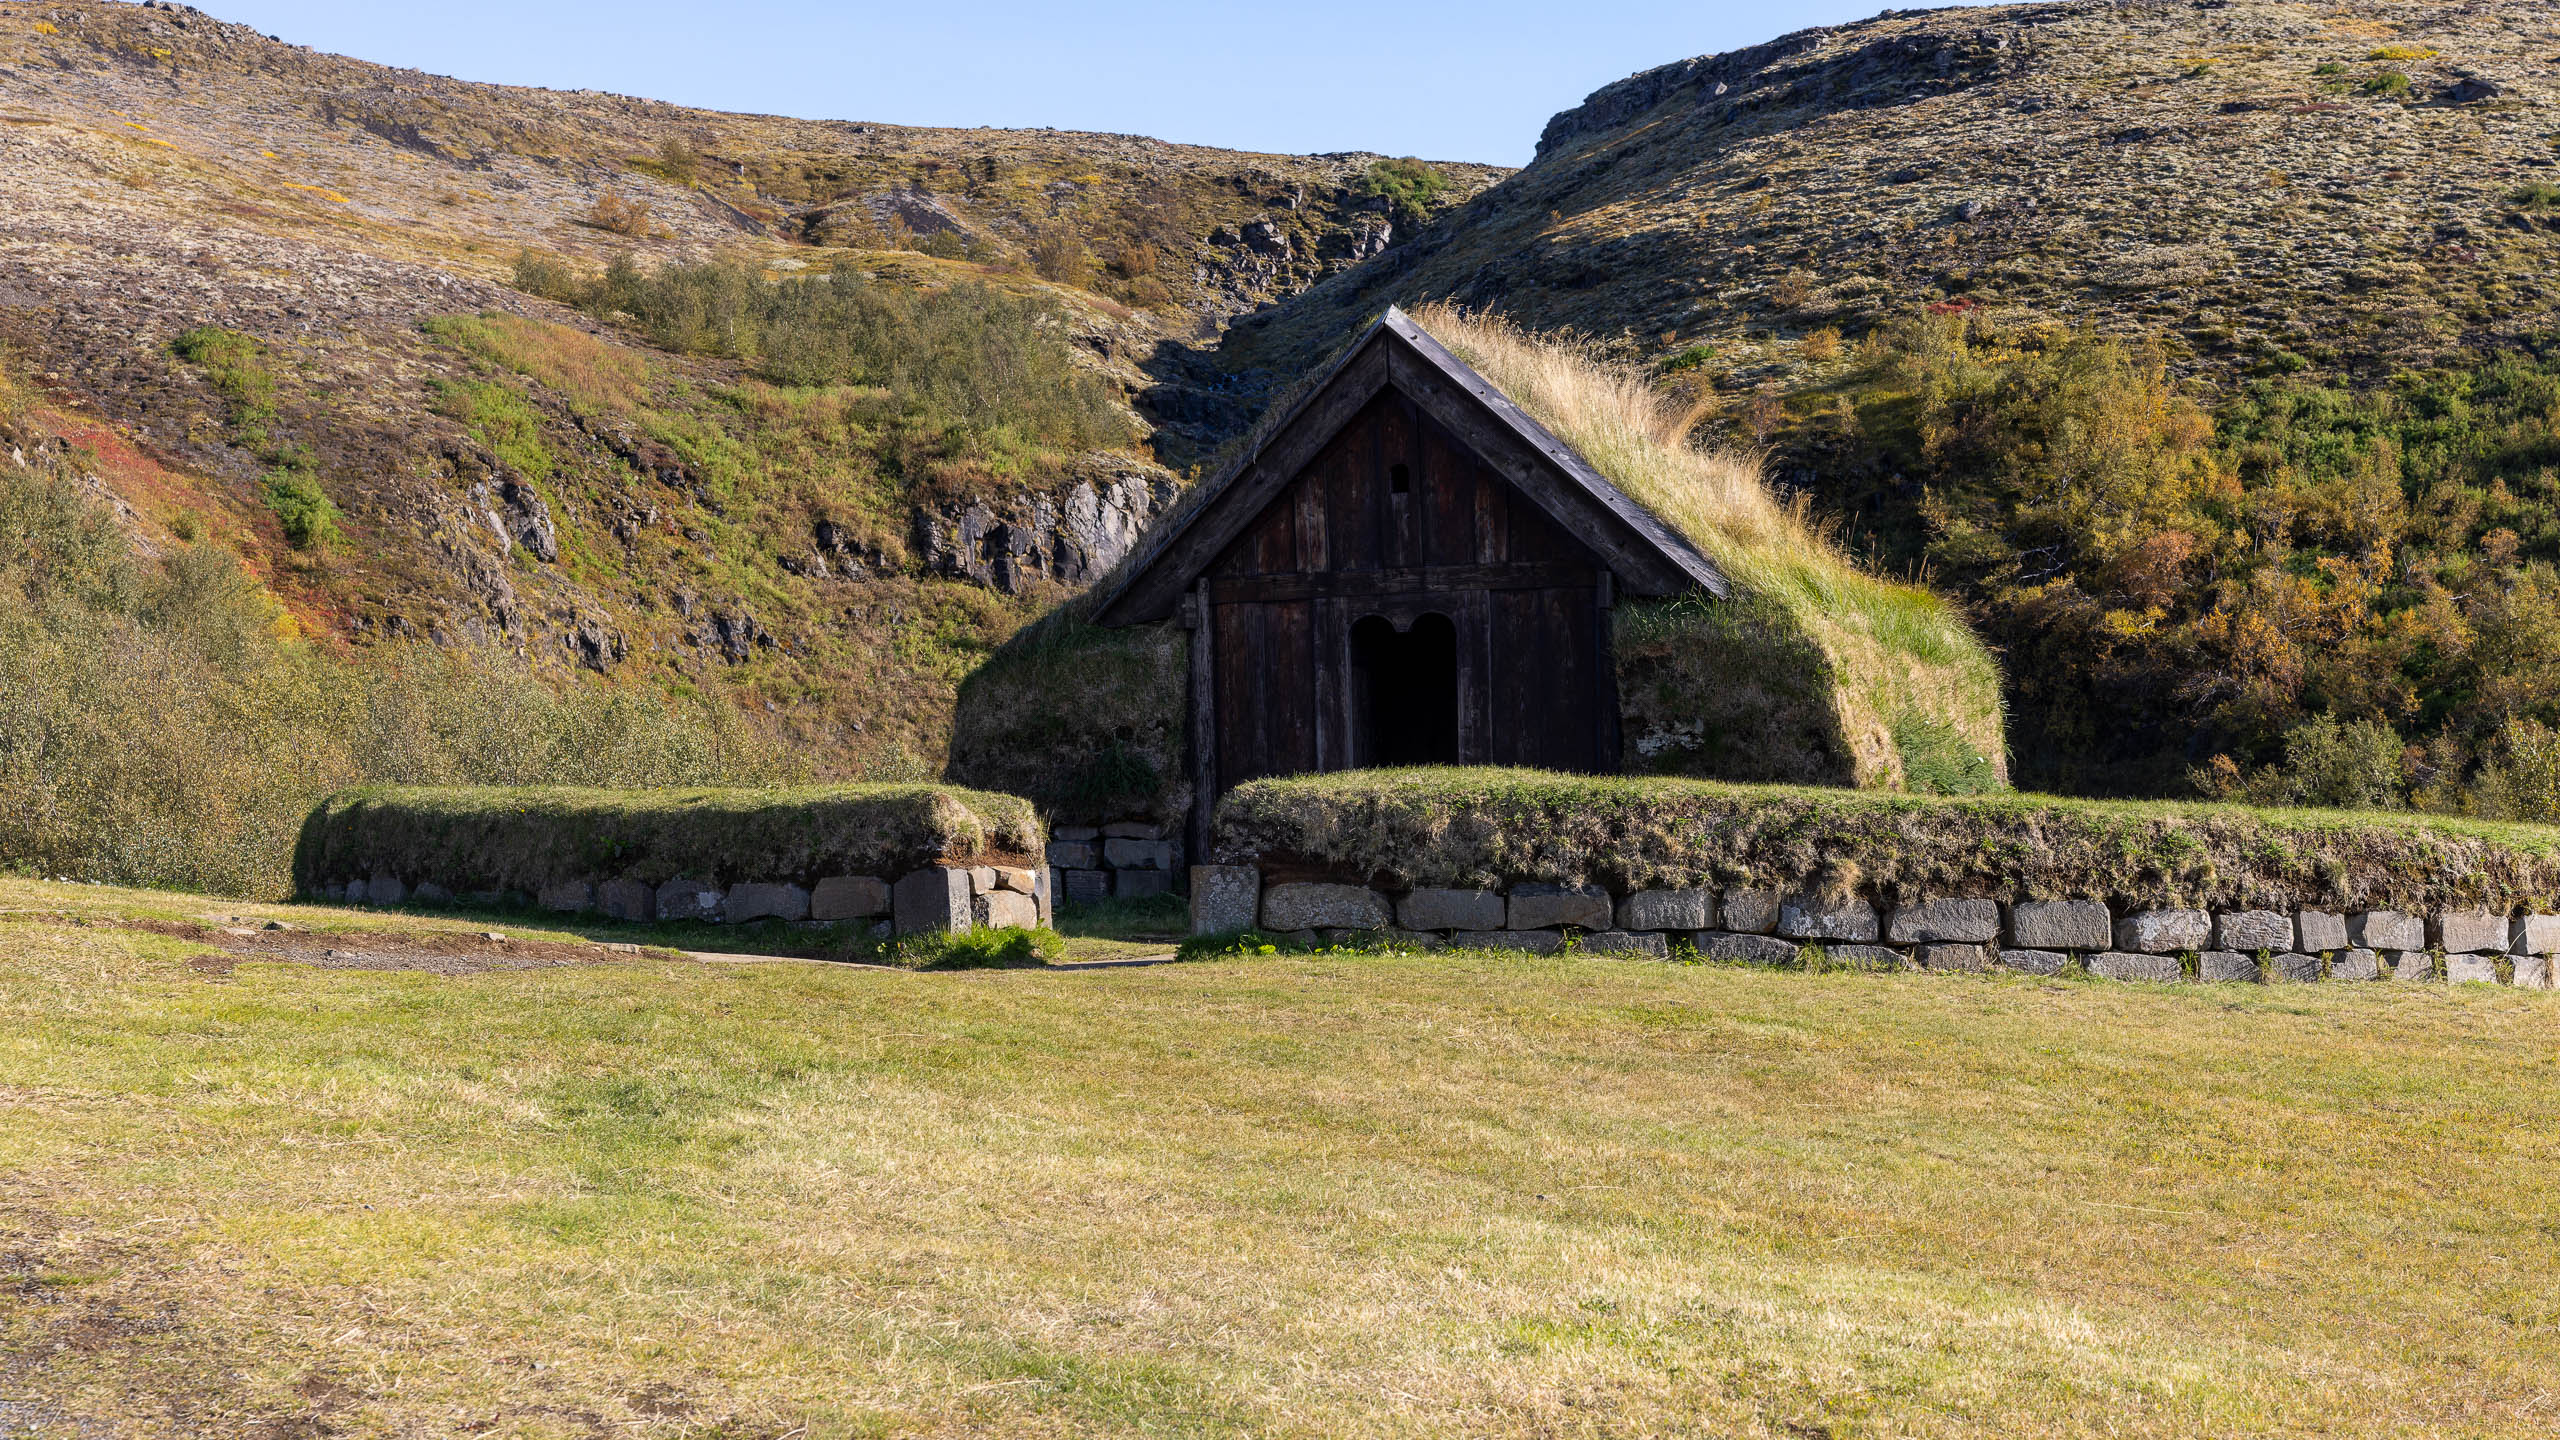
[1059, 255]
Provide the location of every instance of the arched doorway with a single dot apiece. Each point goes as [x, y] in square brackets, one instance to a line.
[1404, 692]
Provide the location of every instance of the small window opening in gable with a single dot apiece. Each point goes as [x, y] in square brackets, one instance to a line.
[1400, 480]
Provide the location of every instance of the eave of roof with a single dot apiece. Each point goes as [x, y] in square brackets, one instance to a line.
[1665, 545]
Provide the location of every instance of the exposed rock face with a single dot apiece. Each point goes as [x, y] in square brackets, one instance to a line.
[1071, 537]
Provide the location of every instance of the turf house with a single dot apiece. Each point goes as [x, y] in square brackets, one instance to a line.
[1516, 562]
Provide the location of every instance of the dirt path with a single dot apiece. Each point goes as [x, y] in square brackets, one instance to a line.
[435, 952]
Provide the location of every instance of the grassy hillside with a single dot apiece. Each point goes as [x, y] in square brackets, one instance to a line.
[1465, 1195]
[2354, 188]
[2202, 352]
[293, 306]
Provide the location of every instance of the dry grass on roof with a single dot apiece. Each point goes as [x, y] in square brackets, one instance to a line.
[1899, 660]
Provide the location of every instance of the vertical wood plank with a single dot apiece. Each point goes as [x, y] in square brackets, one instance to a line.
[1493, 513]
[1354, 498]
[1396, 512]
[1203, 729]
[1289, 674]
[1331, 644]
[1607, 756]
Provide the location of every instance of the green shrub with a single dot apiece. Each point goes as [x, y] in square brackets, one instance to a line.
[310, 521]
[2389, 83]
[2535, 195]
[1409, 186]
[968, 353]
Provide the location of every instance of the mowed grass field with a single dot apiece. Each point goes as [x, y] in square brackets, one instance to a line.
[1457, 1195]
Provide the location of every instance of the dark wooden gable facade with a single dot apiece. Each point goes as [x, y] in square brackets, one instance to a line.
[1406, 570]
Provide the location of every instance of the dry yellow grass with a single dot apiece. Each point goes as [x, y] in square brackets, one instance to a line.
[1452, 1196]
[1895, 660]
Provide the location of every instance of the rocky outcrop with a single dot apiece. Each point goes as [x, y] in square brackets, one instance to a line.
[1069, 537]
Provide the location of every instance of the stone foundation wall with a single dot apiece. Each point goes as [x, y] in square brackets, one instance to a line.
[938, 898]
[1127, 859]
[2036, 937]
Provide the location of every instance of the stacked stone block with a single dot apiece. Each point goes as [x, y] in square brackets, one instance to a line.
[1767, 926]
[947, 898]
[1126, 859]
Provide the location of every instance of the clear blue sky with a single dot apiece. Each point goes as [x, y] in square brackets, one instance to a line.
[1435, 78]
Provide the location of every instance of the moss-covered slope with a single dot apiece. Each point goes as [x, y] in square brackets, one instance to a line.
[524, 838]
[1488, 827]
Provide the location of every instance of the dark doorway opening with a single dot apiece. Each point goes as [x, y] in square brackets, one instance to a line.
[1405, 692]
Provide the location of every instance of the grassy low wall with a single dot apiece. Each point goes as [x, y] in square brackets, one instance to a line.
[1482, 827]
[525, 838]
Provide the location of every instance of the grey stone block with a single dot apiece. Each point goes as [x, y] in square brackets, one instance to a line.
[2533, 972]
[757, 900]
[569, 897]
[2471, 969]
[1668, 910]
[1740, 949]
[691, 900]
[1804, 918]
[2387, 930]
[1122, 854]
[385, 889]
[1075, 855]
[2412, 965]
[1014, 878]
[1224, 898]
[2319, 931]
[933, 900]
[1537, 906]
[1074, 832]
[1314, 907]
[2228, 967]
[1539, 942]
[1044, 894]
[431, 893]
[2250, 931]
[1628, 942]
[849, 897]
[1084, 887]
[1749, 912]
[2538, 935]
[1435, 909]
[1133, 830]
[2061, 925]
[1865, 957]
[2035, 962]
[1141, 884]
[2292, 968]
[2164, 932]
[1975, 922]
[627, 900]
[2355, 965]
[2124, 965]
[1971, 958]
[2470, 932]
[1005, 909]
[982, 878]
